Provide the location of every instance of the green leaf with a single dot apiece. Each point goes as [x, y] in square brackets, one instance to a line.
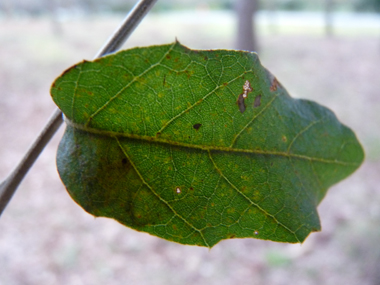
[197, 146]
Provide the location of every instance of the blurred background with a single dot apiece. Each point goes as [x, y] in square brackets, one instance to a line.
[327, 51]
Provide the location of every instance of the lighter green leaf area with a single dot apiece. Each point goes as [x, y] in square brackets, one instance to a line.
[160, 139]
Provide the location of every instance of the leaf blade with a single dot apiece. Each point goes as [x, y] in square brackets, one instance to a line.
[208, 170]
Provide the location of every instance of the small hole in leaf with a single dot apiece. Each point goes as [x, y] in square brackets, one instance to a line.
[256, 232]
[178, 190]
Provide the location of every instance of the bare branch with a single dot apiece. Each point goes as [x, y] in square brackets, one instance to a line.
[9, 186]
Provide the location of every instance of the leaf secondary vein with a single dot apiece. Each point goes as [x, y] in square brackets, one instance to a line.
[197, 103]
[128, 85]
[303, 131]
[158, 196]
[251, 121]
[248, 199]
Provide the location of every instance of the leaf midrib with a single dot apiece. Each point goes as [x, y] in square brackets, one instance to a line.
[152, 139]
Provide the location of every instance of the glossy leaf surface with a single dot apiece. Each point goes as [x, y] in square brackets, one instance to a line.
[197, 146]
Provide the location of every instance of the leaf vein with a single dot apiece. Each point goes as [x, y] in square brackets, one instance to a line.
[156, 194]
[248, 199]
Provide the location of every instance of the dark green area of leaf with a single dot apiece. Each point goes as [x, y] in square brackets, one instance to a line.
[157, 139]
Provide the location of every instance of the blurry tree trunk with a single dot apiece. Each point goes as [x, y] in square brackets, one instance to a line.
[246, 35]
[329, 6]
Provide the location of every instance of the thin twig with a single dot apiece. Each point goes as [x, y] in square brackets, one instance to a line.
[9, 186]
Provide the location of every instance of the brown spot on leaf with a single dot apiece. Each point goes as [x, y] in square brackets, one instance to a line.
[274, 85]
[197, 126]
[246, 89]
[257, 102]
[168, 56]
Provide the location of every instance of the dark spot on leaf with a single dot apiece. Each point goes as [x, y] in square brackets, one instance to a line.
[176, 59]
[197, 126]
[240, 103]
[124, 161]
[232, 236]
[191, 188]
[158, 134]
[257, 102]
[168, 56]
[163, 83]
